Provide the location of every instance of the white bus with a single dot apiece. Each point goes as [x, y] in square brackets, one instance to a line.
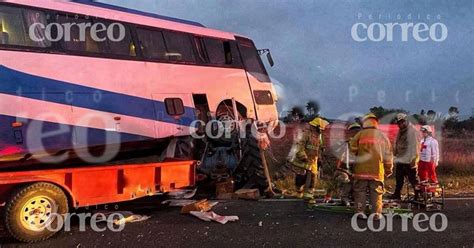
[143, 84]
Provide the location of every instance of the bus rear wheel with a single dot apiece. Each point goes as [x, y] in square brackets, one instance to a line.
[33, 211]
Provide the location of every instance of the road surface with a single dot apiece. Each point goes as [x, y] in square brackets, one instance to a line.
[264, 224]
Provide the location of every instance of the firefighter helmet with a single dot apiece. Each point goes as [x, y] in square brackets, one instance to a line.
[370, 116]
[319, 122]
[354, 125]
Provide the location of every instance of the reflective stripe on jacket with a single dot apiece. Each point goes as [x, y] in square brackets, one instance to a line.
[373, 151]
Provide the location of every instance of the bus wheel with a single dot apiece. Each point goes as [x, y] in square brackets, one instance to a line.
[31, 214]
[250, 173]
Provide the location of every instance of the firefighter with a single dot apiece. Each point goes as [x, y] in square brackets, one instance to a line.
[373, 162]
[305, 156]
[343, 174]
[406, 154]
[429, 156]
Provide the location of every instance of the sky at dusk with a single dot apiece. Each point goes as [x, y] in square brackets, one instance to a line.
[316, 57]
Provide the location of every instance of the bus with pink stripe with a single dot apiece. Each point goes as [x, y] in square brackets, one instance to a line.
[90, 82]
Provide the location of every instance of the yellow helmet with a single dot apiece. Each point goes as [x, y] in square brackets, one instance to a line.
[354, 126]
[370, 116]
[319, 122]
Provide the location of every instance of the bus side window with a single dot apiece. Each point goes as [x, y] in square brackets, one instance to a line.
[80, 41]
[152, 44]
[121, 47]
[75, 42]
[15, 25]
[179, 46]
[234, 50]
[215, 51]
[200, 48]
[228, 53]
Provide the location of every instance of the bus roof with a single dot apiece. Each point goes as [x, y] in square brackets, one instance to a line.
[106, 11]
[137, 12]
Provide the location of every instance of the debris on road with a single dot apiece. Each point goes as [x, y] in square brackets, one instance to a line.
[225, 189]
[211, 216]
[202, 210]
[131, 219]
[122, 217]
[248, 194]
[200, 206]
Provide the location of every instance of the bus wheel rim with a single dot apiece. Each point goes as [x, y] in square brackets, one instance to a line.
[228, 122]
[38, 213]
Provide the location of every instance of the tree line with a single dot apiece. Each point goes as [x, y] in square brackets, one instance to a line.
[448, 121]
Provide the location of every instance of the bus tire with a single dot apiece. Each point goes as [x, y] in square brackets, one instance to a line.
[32, 208]
[251, 173]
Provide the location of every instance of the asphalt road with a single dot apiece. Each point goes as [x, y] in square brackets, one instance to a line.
[264, 224]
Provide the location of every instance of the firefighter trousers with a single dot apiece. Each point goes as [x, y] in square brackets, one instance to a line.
[376, 190]
[308, 180]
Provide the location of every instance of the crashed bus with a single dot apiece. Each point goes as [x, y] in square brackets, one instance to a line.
[147, 89]
[67, 99]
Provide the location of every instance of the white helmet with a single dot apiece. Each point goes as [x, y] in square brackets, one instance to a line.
[426, 128]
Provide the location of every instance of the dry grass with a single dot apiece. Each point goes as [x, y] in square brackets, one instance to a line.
[457, 153]
[456, 169]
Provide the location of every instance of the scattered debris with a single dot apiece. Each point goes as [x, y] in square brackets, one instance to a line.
[182, 193]
[201, 206]
[248, 194]
[225, 189]
[130, 219]
[211, 216]
[122, 217]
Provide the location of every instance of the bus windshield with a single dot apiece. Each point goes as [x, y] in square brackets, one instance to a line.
[253, 63]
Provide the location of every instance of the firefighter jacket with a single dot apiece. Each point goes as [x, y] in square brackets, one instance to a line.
[373, 152]
[307, 150]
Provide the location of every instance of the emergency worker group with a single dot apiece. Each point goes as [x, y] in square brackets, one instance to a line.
[367, 158]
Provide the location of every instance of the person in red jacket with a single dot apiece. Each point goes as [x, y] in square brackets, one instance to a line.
[429, 156]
